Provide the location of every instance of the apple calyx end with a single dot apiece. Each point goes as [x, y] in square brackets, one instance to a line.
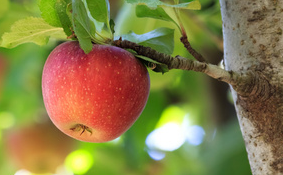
[79, 127]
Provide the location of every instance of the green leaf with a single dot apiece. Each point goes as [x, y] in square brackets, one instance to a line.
[31, 29]
[161, 68]
[99, 10]
[153, 65]
[158, 13]
[194, 5]
[112, 25]
[48, 12]
[84, 28]
[150, 63]
[69, 11]
[161, 39]
[61, 8]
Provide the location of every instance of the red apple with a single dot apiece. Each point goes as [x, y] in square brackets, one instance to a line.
[94, 97]
[39, 148]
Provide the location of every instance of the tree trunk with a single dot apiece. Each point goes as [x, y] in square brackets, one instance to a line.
[253, 42]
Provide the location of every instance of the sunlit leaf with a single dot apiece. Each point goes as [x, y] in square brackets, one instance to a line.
[99, 10]
[31, 29]
[158, 13]
[48, 12]
[194, 5]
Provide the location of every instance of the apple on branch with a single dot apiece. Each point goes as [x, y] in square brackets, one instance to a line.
[94, 97]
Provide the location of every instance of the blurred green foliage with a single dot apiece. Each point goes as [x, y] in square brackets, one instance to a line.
[222, 150]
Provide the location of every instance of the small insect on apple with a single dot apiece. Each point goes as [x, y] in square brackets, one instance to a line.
[94, 97]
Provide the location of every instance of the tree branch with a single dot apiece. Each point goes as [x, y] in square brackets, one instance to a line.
[246, 84]
[192, 51]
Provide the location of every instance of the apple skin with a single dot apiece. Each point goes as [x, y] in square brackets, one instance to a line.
[94, 97]
[38, 148]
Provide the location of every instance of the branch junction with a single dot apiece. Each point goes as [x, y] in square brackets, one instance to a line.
[246, 84]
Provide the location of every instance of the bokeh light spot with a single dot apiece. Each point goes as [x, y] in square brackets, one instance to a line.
[79, 161]
[195, 135]
[156, 155]
[23, 172]
[7, 120]
[118, 140]
[171, 114]
[169, 137]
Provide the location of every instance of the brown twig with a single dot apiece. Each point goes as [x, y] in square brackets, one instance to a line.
[185, 41]
[193, 52]
[179, 62]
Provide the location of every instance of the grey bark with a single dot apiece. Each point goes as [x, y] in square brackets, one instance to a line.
[252, 31]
